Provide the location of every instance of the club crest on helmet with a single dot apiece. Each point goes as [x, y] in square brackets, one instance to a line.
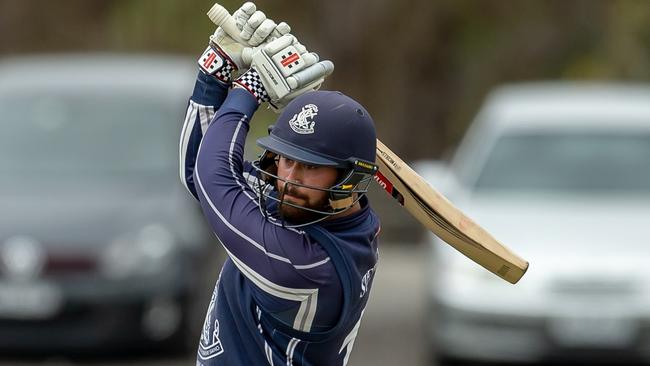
[303, 121]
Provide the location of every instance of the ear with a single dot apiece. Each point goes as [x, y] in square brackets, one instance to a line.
[268, 164]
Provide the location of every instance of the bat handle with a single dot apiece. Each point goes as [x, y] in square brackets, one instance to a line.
[222, 18]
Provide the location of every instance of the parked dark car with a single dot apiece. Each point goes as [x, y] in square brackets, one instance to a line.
[100, 244]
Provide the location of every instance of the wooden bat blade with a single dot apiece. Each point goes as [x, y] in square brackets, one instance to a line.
[440, 216]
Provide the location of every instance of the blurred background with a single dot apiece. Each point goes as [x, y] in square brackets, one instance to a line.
[100, 245]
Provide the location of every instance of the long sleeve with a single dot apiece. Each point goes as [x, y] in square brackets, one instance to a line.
[206, 98]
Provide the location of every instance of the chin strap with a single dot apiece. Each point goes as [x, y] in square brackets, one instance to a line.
[341, 204]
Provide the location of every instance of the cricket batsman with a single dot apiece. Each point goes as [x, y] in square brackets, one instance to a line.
[296, 224]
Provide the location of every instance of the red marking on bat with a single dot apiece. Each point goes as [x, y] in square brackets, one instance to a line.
[289, 60]
[384, 182]
[209, 61]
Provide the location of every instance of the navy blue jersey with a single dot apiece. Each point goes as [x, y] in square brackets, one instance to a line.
[284, 296]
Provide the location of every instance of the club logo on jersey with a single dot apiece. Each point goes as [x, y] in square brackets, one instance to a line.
[303, 122]
[210, 61]
[210, 345]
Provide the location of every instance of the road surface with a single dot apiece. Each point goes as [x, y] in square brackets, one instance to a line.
[391, 331]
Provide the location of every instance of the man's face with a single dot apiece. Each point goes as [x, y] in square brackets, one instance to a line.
[311, 175]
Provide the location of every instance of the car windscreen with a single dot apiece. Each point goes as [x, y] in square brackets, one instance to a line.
[93, 134]
[614, 162]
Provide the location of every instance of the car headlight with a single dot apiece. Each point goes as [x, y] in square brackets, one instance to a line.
[144, 252]
[460, 283]
[460, 272]
[453, 269]
[455, 276]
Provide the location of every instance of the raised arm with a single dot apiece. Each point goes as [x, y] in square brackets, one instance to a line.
[206, 99]
[221, 59]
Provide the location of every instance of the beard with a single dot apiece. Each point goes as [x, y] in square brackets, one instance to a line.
[297, 215]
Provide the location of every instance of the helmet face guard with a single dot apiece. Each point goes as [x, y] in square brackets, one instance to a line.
[352, 185]
[322, 128]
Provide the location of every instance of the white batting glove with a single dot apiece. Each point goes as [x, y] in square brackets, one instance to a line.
[224, 55]
[282, 70]
[258, 29]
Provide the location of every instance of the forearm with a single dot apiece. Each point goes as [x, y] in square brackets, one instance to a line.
[222, 148]
[208, 95]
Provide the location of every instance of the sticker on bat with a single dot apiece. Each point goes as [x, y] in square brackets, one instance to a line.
[389, 187]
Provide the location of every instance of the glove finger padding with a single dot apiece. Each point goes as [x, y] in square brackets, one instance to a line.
[242, 14]
[280, 43]
[262, 32]
[281, 29]
[310, 58]
[287, 69]
[300, 47]
[317, 71]
[251, 24]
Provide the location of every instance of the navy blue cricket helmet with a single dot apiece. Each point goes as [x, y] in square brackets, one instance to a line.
[325, 128]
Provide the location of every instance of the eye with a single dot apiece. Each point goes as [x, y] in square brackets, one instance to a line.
[311, 167]
[286, 161]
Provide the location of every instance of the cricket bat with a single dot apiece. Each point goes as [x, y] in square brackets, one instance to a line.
[440, 216]
[428, 206]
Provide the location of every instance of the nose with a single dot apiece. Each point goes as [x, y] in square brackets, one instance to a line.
[294, 173]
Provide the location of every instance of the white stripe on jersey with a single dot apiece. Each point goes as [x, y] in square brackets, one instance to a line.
[291, 347]
[205, 114]
[186, 132]
[269, 353]
[348, 342]
[308, 298]
[307, 266]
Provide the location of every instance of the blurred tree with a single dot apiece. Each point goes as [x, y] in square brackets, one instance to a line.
[51, 26]
[421, 67]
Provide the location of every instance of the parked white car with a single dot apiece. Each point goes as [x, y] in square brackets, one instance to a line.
[560, 173]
